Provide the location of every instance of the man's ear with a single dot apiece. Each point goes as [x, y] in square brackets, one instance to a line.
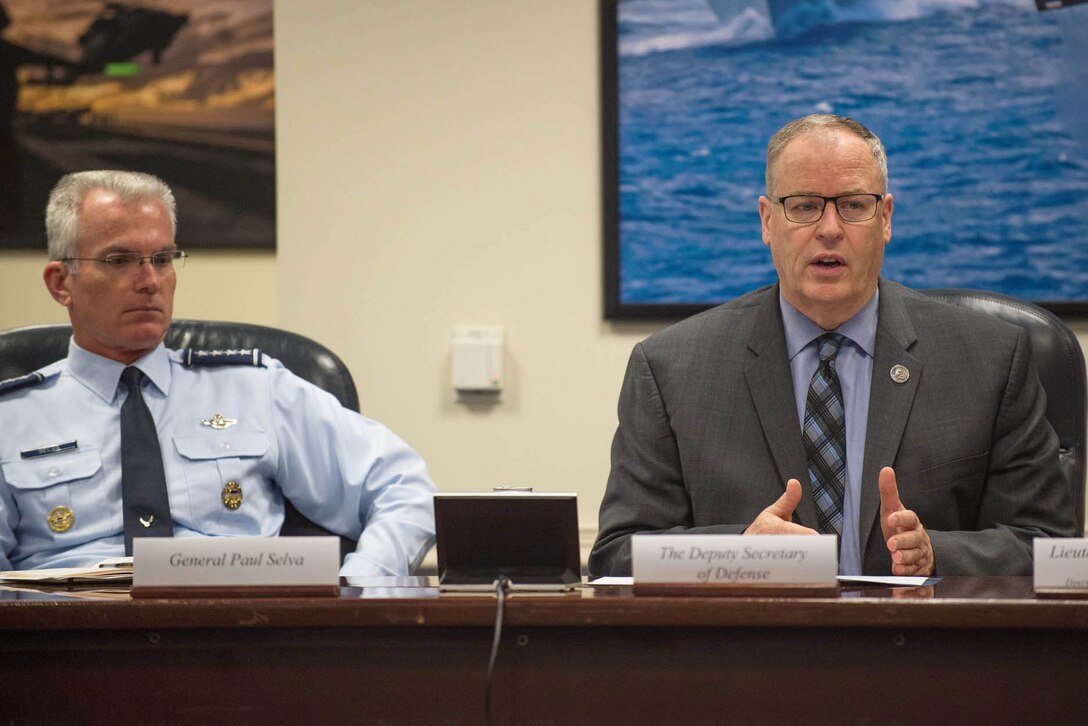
[765, 218]
[56, 276]
[888, 208]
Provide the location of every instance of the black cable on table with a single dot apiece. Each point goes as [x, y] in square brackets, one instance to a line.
[501, 586]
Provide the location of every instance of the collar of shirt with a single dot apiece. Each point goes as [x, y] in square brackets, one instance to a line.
[102, 375]
[859, 330]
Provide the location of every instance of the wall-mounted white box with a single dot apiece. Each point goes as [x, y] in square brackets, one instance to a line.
[476, 360]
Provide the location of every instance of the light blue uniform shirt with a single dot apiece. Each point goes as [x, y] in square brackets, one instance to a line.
[854, 365]
[347, 473]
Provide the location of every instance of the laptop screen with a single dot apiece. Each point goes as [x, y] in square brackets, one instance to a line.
[530, 537]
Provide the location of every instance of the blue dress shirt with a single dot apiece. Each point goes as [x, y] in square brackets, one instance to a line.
[854, 366]
[60, 447]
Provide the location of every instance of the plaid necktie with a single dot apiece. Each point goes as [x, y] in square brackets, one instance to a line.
[825, 436]
[143, 482]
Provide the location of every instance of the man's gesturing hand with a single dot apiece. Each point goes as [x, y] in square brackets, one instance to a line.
[908, 541]
[777, 518]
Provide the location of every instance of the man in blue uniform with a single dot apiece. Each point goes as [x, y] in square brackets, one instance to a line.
[235, 439]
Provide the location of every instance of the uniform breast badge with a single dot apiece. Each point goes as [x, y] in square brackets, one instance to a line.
[232, 495]
[219, 422]
[60, 519]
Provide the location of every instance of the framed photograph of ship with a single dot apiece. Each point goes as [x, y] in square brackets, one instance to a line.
[184, 89]
[981, 104]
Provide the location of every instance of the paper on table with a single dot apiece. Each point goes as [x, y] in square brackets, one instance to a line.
[613, 581]
[890, 580]
[116, 569]
[874, 580]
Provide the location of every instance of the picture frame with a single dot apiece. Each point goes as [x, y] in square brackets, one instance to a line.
[988, 163]
[184, 90]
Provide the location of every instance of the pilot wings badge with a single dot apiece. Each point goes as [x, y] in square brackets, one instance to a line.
[219, 422]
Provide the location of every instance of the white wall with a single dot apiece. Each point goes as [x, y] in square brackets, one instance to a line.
[438, 164]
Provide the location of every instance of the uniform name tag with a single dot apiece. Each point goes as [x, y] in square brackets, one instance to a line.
[235, 561]
[1061, 563]
[46, 451]
[734, 559]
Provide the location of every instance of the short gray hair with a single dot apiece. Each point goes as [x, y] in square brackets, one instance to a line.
[818, 124]
[62, 213]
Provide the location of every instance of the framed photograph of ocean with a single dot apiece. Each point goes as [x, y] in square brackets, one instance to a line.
[981, 104]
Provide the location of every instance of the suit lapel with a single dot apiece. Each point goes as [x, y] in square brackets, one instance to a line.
[889, 403]
[771, 387]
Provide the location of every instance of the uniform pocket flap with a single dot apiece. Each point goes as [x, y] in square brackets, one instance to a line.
[222, 446]
[50, 470]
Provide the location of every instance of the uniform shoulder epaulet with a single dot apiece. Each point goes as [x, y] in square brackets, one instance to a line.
[14, 384]
[192, 358]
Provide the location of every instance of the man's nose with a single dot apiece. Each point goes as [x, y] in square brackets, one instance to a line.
[147, 275]
[830, 224]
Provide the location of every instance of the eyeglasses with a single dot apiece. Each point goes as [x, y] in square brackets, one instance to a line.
[809, 208]
[128, 261]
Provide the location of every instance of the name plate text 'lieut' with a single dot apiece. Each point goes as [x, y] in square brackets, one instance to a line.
[235, 561]
[1061, 562]
[734, 559]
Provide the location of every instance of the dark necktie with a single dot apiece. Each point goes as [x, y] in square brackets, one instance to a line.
[825, 437]
[143, 482]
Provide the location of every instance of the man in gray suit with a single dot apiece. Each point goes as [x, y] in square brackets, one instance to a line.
[930, 417]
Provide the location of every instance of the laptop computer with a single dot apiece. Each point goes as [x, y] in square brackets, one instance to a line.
[529, 537]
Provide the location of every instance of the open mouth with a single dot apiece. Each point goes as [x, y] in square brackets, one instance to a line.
[828, 262]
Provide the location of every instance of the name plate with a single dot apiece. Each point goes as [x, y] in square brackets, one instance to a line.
[187, 566]
[790, 564]
[1061, 567]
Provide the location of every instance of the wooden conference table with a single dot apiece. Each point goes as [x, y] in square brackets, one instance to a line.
[967, 650]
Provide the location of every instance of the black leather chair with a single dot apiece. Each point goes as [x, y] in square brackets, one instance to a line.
[23, 350]
[1060, 361]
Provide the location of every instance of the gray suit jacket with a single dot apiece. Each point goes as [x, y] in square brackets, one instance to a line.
[708, 435]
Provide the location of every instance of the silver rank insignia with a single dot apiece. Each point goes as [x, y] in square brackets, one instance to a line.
[60, 519]
[232, 495]
[219, 422]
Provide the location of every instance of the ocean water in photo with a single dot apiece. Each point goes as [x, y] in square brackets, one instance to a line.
[981, 104]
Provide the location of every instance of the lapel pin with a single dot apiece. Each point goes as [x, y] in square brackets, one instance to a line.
[900, 374]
